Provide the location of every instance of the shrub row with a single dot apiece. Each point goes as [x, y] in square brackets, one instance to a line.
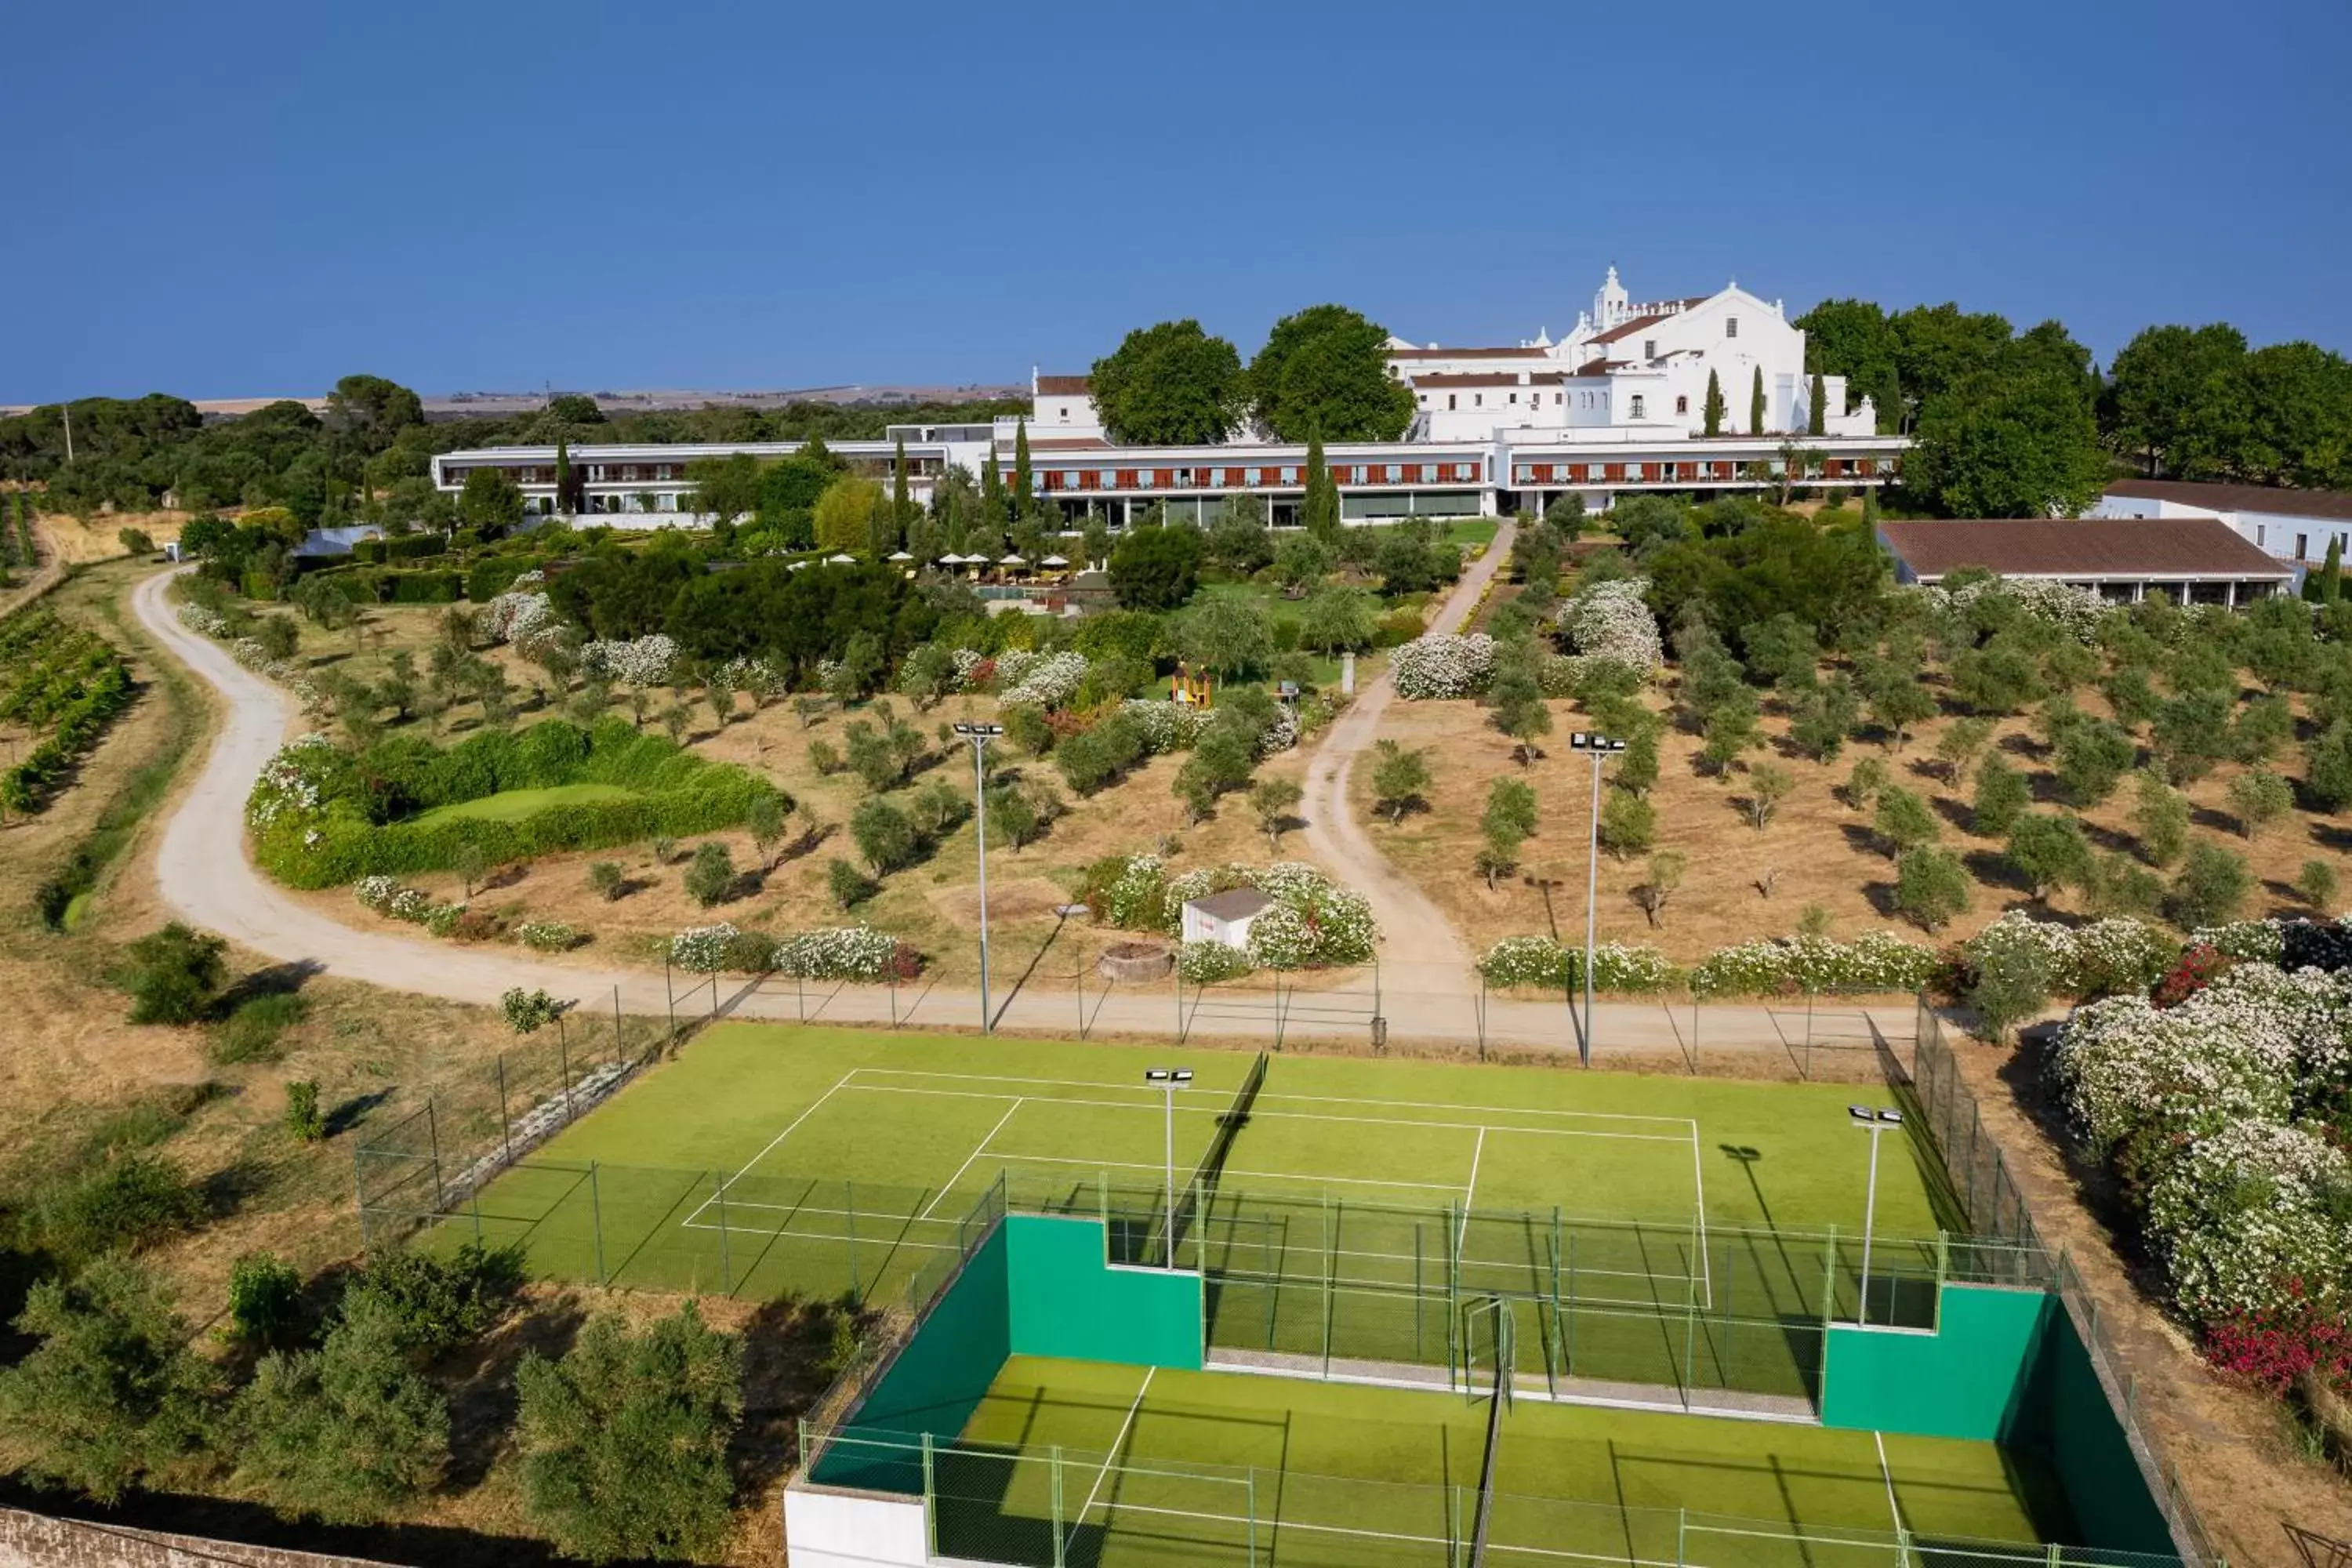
[70, 680]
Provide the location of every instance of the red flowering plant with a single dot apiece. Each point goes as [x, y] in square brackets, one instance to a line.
[2197, 968]
[2274, 1347]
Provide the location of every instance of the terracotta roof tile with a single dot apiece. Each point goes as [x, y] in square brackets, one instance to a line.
[2082, 547]
[2239, 498]
[1063, 387]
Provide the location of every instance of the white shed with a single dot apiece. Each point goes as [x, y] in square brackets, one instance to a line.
[1224, 917]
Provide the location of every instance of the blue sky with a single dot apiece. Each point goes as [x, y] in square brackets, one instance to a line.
[241, 200]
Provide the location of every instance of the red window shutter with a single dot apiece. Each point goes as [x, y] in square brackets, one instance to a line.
[1165, 479]
[1126, 479]
[1543, 473]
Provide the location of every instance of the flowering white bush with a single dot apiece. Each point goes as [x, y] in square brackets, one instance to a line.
[410, 904]
[1444, 664]
[376, 892]
[514, 616]
[1539, 960]
[1165, 726]
[1048, 680]
[442, 919]
[640, 661]
[2229, 1053]
[202, 621]
[289, 787]
[2261, 942]
[1207, 962]
[2111, 957]
[1137, 898]
[2246, 1211]
[2077, 612]
[756, 675]
[1612, 622]
[967, 661]
[1875, 960]
[1281, 731]
[546, 936]
[841, 953]
[703, 950]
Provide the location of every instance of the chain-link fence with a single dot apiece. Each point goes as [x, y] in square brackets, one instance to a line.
[1049, 1507]
[1992, 1206]
[427, 1164]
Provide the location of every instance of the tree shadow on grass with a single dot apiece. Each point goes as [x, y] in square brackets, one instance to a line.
[274, 980]
[480, 1382]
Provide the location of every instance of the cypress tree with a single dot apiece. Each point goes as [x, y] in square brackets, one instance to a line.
[902, 508]
[2326, 585]
[1022, 493]
[1817, 418]
[562, 475]
[1713, 405]
[1321, 510]
[1756, 405]
[991, 491]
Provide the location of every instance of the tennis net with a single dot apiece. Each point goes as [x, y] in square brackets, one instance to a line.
[1203, 1181]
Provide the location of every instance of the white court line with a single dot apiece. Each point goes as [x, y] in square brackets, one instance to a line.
[1258, 1176]
[1312, 1098]
[779, 1137]
[887, 1243]
[1289, 1115]
[1470, 1193]
[1888, 1476]
[949, 1185]
[1699, 1182]
[1111, 1457]
[1290, 1525]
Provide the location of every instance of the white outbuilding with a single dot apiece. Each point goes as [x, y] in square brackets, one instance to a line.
[1224, 917]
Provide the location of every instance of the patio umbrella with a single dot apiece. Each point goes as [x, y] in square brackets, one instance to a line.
[898, 555]
[1054, 561]
[1012, 561]
[841, 560]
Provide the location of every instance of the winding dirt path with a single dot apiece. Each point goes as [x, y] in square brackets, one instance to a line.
[204, 877]
[1421, 944]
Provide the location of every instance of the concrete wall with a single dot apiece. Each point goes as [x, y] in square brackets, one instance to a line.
[849, 1530]
[37, 1540]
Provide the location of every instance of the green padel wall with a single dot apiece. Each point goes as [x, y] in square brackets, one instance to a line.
[937, 1380]
[1068, 1301]
[2069, 1423]
[1967, 1379]
[2004, 1366]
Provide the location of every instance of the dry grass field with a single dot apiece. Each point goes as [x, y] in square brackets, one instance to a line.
[1817, 850]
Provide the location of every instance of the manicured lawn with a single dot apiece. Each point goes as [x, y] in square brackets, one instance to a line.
[1321, 1474]
[514, 804]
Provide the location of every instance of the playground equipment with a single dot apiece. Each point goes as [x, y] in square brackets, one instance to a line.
[1192, 690]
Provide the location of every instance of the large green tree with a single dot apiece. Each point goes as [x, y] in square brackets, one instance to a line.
[111, 1393]
[1938, 346]
[1325, 369]
[1854, 339]
[346, 1433]
[1170, 384]
[2018, 438]
[2166, 384]
[624, 1439]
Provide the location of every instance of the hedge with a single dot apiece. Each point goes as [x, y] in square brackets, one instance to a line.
[322, 817]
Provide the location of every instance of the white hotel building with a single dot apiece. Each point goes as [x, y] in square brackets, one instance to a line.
[1616, 406]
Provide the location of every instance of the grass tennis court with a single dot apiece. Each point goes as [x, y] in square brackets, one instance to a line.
[767, 1158]
[1164, 1467]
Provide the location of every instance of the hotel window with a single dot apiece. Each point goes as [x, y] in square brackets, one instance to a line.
[1064, 413]
[1649, 348]
[1731, 326]
[1637, 405]
[1477, 400]
[1452, 400]
[1682, 406]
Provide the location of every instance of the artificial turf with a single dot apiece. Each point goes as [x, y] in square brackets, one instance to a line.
[1160, 1466]
[770, 1157]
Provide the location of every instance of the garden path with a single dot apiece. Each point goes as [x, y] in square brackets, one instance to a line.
[204, 878]
[1420, 945]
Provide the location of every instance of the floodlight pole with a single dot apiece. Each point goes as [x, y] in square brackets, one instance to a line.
[1598, 747]
[1874, 1122]
[1169, 1079]
[980, 735]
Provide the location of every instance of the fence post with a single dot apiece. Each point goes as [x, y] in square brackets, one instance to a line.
[433, 1132]
[1809, 1034]
[1482, 1014]
[1682, 1528]
[669, 1000]
[596, 1220]
[620, 1046]
[1828, 1278]
[563, 1058]
[1249, 1481]
[931, 1496]
[506, 1122]
[1053, 1459]
[726, 1265]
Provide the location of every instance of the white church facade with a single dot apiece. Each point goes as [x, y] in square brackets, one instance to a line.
[1616, 406]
